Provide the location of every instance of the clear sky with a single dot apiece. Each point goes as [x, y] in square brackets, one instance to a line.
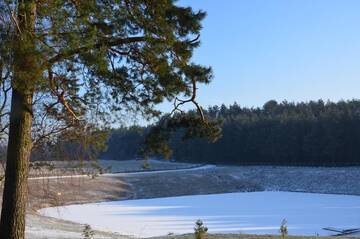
[294, 50]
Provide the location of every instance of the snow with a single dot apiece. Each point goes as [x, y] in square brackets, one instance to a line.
[203, 167]
[48, 233]
[255, 213]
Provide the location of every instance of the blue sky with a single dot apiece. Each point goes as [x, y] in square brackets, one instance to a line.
[294, 50]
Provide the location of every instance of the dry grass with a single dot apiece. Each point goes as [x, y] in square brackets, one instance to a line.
[65, 191]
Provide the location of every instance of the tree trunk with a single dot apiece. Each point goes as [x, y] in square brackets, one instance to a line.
[25, 73]
[12, 224]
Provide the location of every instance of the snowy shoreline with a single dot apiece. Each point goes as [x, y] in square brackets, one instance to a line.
[250, 213]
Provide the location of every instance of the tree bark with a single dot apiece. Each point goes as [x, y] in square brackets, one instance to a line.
[12, 224]
[25, 73]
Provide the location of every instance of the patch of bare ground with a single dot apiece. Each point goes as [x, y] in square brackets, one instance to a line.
[77, 190]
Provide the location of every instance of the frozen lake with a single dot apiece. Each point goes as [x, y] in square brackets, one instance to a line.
[253, 213]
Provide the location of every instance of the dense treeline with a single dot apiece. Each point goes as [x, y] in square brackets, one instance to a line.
[124, 143]
[312, 133]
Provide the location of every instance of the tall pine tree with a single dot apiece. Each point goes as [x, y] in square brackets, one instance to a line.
[75, 60]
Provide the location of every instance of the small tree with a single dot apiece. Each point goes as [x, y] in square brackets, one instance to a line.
[283, 229]
[200, 230]
[145, 165]
[88, 233]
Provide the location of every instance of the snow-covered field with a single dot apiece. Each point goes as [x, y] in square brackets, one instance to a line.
[255, 212]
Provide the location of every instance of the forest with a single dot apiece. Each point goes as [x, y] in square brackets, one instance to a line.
[314, 133]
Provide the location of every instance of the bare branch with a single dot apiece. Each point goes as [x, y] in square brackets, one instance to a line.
[195, 39]
[16, 21]
[179, 102]
[49, 133]
[60, 96]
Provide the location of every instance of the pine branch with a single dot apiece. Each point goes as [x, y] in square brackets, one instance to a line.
[104, 42]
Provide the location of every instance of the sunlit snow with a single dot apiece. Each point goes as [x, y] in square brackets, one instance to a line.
[256, 212]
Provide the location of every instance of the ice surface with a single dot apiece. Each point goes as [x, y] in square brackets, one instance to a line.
[255, 212]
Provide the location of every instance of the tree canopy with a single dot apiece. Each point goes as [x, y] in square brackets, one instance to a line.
[106, 56]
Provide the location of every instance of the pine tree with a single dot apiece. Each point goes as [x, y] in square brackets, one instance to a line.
[76, 60]
[200, 230]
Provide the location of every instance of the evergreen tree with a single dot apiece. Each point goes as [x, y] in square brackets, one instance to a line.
[83, 61]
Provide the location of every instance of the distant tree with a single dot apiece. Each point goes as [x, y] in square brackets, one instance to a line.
[84, 64]
[270, 105]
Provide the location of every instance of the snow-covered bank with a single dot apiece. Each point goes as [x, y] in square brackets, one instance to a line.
[256, 212]
[193, 168]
